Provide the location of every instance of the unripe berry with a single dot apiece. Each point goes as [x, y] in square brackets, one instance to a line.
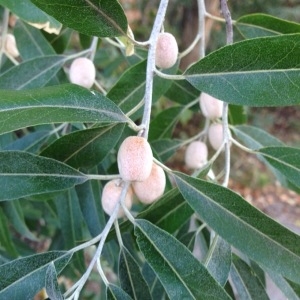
[82, 72]
[196, 155]
[111, 195]
[153, 187]
[135, 159]
[210, 106]
[166, 51]
[215, 135]
[11, 45]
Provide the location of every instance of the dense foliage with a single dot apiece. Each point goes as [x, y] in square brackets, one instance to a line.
[59, 144]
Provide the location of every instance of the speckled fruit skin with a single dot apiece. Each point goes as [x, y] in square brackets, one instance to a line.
[135, 159]
[153, 187]
[111, 194]
[211, 107]
[215, 135]
[82, 72]
[11, 45]
[196, 155]
[166, 51]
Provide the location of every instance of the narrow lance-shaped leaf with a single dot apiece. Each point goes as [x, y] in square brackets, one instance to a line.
[51, 284]
[114, 292]
[246, 282]
[257, 72]
[85, 148]
[33, 73]
[24, 277]
[218, 259]
[62, 103]
[259, 25]
[131, 278]
[184, 278]
[255, 234]
[104, 18]
[28, 12]
[286, 160]
[32, 175]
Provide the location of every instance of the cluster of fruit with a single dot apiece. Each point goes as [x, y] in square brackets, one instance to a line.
[196, 152]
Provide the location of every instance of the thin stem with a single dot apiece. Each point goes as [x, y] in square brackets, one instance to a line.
[102, 177]
[100, 88]
[93, 48]
[168, 76]
[118, 233]
[229, 26]
[211, 250]
[226, 132]
[136, 108]
[151, 64]
[201, 29]
[238, 144]
[191, 46]
[79, 285]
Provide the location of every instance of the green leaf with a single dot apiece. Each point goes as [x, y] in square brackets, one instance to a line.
[85, 148]
[257, 72]
[31, 42]
[32, 73]
[91, 17]
[286, 160]
[32, 14]
[184, 278]
[182, 92]
[259, 25]
[130, 88]
[131, 278]
[24, 277]
[284, 286]
[246, 282]
[113, 292]
[254, 137]
[33, 175]
[165, 148]
[218, 260]
[51, 284]
[237, 114]
[163, 124]
[63, 103]
[92, 214]
[13, 210]
[258, 236]
[168, 213]
[72, 223]
[6, 242]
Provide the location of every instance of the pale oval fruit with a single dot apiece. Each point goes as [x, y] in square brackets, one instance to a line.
[196, 155]
[111, 195]
[135, 159]
[211, 107]
[215, 135]
[11, 45]
[153, 187]
[166, 51]
[82, 72]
